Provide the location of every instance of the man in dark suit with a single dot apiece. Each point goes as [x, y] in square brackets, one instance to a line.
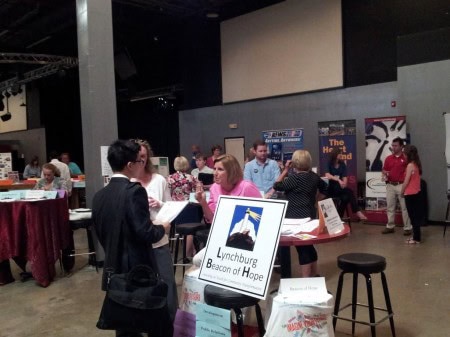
[122, 207]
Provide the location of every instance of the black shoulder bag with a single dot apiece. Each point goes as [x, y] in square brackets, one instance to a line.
[135, 301]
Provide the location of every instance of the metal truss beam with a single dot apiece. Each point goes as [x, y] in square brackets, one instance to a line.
[52, 64]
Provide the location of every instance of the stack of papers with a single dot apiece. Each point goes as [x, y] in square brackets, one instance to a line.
[292, 227]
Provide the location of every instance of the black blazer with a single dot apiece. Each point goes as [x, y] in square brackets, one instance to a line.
[124, 202]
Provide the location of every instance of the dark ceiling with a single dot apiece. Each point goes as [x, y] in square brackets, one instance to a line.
[160, 36]
[49, 27]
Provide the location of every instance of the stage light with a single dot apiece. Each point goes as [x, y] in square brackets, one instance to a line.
[7, 94]
[2, 105]
[6, 117]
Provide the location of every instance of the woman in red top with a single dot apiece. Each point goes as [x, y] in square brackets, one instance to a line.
[411, 191]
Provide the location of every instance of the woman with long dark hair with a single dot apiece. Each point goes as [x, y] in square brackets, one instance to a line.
[337, 188]
[411, 191]
[32, 170]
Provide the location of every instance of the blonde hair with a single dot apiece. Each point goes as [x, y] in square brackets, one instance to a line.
[232, 167]
[301, 160]
[181, 164]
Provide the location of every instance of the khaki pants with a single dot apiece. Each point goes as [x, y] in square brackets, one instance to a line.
[392, 193]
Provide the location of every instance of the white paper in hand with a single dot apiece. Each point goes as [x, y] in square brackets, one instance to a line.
[169, 211]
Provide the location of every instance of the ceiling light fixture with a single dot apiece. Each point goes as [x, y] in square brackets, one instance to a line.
[212, 15]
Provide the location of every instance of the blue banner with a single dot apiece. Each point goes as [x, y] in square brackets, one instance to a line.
[281, 144]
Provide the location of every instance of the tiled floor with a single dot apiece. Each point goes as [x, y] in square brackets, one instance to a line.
[418, 278]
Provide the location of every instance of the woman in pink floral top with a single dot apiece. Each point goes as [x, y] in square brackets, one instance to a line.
[181, 184]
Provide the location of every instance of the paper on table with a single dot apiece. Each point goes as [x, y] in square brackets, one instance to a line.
[169, 211]
[289, 221]
[301, 228]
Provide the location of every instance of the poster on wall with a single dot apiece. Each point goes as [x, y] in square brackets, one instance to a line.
[281, 144]
[340, 134]
[161, 164]
[379, 134]
[242, 244]
[5, 164]
[13, 110]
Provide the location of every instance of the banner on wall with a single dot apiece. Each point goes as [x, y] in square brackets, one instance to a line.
[341, 134]
[281, 144]
[379, 134]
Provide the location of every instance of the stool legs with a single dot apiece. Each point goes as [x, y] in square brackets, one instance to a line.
[175, 256]
[388, 302]
[260, 320]
[239, 321]
[338, 299]
[354, 300]
[370, 300]
[370, 304]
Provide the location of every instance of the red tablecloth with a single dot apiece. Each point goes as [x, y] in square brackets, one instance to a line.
[37, 231]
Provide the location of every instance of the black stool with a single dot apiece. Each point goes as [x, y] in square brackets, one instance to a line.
[184, 230]
[365, 264]
[227, 299]
[86, 224]
[201, 238]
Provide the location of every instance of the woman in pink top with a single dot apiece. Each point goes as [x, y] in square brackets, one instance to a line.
[411, 191]
[228, 180]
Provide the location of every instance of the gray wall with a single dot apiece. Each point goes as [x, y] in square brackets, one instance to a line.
[424, 93]
[28, 143]
[207, 126]
[416, 98]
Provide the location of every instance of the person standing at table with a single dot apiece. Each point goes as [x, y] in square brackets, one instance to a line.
[411, 191]
[200, 161]
[394, 174]
[181, 183]
[301, 192]
[157, 193]
[73, 167]
[63, 170]
[122, 208]
[32, 170]
[262, 171]
[216, 151]
[195, 151]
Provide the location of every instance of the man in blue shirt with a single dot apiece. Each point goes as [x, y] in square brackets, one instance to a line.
[262, 171]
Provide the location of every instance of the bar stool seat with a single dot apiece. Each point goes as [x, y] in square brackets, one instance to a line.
[364, 264]
[230, 300]
[184, 230]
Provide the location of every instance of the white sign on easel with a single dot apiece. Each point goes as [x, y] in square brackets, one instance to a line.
[330, 216]
[243, 243]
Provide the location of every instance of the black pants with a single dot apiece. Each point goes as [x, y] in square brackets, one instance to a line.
[345, 196]
[306, 255]
[416, 212]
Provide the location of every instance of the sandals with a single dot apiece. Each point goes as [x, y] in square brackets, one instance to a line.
[411, 241]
